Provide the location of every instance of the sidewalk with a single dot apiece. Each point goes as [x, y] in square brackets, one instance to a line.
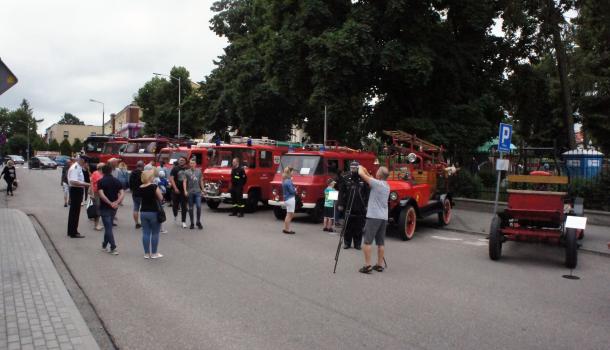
[596, 237]
[36, 311]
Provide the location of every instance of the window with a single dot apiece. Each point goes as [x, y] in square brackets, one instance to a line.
[66, 134]
[266, 159]
[304, 165]
[332, 166]
[223, 157]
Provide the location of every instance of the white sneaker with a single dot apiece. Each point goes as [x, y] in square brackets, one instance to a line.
[156, 256]
[146, 256]
[184, 225]
[163, 231]
[114, 252]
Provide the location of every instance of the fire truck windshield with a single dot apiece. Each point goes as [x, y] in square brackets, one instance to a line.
[177, 155]
[141, 147]
[303, 164]
[94, 146]
[224, 156]
[113, 148]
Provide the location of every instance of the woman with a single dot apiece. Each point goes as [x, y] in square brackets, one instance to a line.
[86, 175]
[10, 176]
[93, 193]
[289, 200]
[123, 175]
[150, 196]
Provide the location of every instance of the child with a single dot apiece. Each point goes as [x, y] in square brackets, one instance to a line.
[329, 206]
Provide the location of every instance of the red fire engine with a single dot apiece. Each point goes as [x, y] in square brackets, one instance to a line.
[259, 157]
[113, 149]
[201, 152]
[93, 146]
[145, 149]
[313, 167]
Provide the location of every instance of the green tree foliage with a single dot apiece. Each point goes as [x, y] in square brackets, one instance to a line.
[70, 119]
[65, 148]
[17, 144]
[77, 145]
[54, 146]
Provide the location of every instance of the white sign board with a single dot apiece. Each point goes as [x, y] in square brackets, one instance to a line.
[305, 171]
[333, 195]
[224, 163]
[502, 165]
[577, 222]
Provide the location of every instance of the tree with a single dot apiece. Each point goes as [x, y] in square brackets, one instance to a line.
[70, 119]
[65, 148]
[17, 144]
[54, 146]
[77, 145]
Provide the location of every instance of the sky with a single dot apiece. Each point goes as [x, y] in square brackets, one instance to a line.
[65, 52]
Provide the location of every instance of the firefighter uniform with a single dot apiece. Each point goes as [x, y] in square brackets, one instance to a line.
[352, 183]
[238, 181]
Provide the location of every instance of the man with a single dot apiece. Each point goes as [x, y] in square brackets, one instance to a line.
[353, 185]
[110, 193]
[77, 183]
[238, 181]
[376, 217]
[135, 181]
[64, 181]
[176, 179]
[192, 187]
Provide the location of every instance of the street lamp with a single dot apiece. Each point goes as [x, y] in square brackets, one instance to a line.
[179, 89]
[102, 103]
[28, 154]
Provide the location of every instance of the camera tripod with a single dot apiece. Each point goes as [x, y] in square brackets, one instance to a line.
[348, 212]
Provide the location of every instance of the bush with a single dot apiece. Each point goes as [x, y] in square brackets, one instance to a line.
[595, 192]
[488, 179]
[464, 184]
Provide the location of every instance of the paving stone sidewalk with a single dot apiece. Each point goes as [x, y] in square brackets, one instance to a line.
[36, 311]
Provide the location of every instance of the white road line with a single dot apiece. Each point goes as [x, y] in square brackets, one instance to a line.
[447, 238]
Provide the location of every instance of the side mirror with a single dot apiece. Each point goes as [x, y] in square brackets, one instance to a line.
[412, 157]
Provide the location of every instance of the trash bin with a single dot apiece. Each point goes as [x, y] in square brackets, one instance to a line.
[586, 163]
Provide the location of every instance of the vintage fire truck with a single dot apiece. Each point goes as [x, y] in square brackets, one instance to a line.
[418, 182]
[259, 157]
[202, 153]
[314, 165]
[145, 149]
[113, 149]
[93, 146]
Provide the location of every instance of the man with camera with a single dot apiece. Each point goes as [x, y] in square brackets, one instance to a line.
[353, 199]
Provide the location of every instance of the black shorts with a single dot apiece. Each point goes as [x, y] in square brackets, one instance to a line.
[329, 212]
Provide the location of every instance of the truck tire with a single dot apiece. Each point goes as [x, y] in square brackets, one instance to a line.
[212, 204]
[407, 223]
[495, 239]
[444, 217]
[316, 215]
[279, 213]
[571, 248]
[252, 201]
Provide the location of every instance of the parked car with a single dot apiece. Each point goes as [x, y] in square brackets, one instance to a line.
[42, 163]
[15, 158]
[61, 160]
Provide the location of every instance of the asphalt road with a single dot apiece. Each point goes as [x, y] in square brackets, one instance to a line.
[242, 284]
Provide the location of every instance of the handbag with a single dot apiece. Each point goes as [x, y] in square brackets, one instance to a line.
[91, 209]
[160, 213]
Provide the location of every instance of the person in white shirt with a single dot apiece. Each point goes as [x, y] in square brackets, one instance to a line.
[77, 183]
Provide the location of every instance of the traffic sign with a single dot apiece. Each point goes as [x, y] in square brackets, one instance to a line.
[504, 138]
[7, 78]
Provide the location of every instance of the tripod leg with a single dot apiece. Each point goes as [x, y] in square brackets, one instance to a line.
[385, 263]
[348, 212]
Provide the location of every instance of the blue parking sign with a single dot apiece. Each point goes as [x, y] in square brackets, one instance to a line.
[504, 138]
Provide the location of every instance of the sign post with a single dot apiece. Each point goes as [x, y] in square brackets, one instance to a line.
[504, 142]
[7, 78]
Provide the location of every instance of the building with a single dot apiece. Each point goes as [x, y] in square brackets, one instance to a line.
[61, 132]
[126, 123]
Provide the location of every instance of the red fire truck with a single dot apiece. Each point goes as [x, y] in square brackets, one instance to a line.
[145, 149]
[201, 152]
[93, 146]
[314, 166]
[113, 149]
[260, 158]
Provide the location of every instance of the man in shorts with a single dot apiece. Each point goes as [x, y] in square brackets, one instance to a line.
[376, 217]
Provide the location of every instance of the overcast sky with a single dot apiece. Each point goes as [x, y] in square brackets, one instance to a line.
[65, 52]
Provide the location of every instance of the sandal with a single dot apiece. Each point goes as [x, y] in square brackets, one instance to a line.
[288, 232]
[366, 269]
[378, 268]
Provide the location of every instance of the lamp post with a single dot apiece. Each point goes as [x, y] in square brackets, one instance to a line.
[102, 103]
[29, 123]
[179, 89]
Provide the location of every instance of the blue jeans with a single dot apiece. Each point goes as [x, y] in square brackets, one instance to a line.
[150, 230]
[107, 218]
[195, 200]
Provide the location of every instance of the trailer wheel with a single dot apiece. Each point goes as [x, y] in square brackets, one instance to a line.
[495, 239]
[571, 248]
[212, 204]
[444, 217]
[279, 213]
[407, 223]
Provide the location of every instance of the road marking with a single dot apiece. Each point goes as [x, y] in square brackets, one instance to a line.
[477, 243]
[447, 238]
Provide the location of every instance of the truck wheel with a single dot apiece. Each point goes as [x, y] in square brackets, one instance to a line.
[279, 213]
[495, 239]
[252, 201]
[212, 204]
[444, 217]
[571, 248]
[316, 214]
[407, 223]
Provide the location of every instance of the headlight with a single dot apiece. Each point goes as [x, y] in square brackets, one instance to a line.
[303, 194]
[274, 192]
[393, 196]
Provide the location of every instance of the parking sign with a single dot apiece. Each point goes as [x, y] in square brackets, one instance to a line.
[504, 138]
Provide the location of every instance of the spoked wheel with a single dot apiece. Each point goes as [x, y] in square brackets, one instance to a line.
[571, 248]
[444, 217]
[495, 239]
[407, 222]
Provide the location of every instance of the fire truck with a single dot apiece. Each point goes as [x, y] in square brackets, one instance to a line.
[259, 157]
[93, 146]
[314, 165]
[418, 182]
[145, 149]
[113, 149]
[202, 153]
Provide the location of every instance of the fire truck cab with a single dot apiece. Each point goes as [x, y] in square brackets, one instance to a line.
[113, 149]
[259, 157]
[145, 149]
[313, 168]
[201, 152]
[93, 146]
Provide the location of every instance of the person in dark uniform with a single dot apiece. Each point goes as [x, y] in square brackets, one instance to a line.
[352, 183]
[238, 181]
